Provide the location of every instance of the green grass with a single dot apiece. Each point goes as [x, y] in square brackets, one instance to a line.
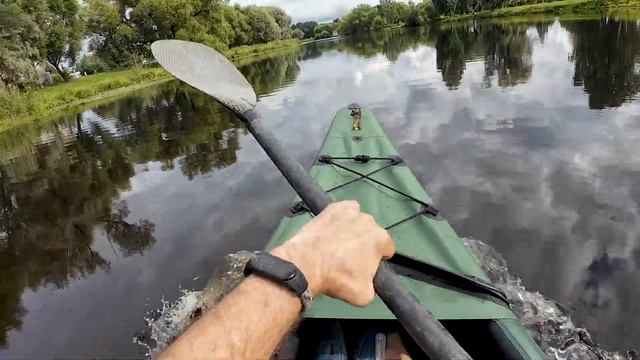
[20, 107]
[252, 50]
[555, 7]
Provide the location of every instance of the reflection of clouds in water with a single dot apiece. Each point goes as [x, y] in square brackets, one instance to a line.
[528, 168]
[552, 209]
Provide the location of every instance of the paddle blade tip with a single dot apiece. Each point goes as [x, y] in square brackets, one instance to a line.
[206, 70]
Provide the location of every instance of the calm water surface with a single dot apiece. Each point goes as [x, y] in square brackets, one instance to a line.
[527, 136]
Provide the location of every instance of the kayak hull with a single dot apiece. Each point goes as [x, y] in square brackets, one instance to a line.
[396, 199]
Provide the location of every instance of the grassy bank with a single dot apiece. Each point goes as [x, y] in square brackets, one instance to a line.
[17, 108]
[555, 7]
[257, 49]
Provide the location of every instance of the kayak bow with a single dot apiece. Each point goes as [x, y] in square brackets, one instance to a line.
[358, 162]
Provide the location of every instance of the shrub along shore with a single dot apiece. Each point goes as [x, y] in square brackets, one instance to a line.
[17, 108]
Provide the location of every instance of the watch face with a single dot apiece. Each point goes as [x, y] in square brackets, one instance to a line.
[291, 275]
[280, 271]
[284, 272]
[276, 267]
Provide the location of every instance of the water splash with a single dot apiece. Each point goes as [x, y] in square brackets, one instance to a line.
[547, 321]
[166, 323]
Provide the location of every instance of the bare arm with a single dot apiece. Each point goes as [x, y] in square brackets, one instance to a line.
[338, 251]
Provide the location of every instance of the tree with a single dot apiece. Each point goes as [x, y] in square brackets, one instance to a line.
[324, 30]
[20, 40]
[64, 34]
[444, 7]
[360, 19]
[298, 34]
[390, 11]
[111, 34]
[282, 19]
[162, 19]
[264, 27]
[419, 14]
[307, 27]
[378, 23]
[239, 23]
[91, 64]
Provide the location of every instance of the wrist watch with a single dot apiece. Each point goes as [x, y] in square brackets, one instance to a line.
[281, 272]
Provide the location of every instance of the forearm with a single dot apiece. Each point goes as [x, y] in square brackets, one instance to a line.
[338, 252]
[248, 324]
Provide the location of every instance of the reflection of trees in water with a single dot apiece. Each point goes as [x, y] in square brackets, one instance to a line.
[542, 27]
[450, 56]
[390, 43]
[310, 51]
[57, 195]
[606, 54]
[49, 214]
[506, 51]
[273, 72]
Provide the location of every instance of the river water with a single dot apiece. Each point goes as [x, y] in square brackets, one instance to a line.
[526, 134]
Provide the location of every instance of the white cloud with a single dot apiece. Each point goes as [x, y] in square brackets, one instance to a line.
[310, 10]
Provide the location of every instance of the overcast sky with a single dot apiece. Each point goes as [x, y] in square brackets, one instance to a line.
[302, 10]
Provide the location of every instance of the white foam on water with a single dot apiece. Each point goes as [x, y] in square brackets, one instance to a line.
[166, 323]
[548, 323]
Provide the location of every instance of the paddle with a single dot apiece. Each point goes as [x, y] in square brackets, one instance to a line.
[209, 71]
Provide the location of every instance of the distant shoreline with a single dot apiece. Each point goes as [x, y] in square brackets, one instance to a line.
[556, 7]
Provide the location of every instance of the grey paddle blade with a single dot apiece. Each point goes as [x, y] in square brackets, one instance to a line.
[207, 70]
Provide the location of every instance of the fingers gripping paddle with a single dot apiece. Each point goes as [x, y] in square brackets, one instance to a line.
[209, 71]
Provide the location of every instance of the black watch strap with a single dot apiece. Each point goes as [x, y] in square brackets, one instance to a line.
[281, 272]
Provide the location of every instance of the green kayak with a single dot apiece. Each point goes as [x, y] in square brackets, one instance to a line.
[357, 161]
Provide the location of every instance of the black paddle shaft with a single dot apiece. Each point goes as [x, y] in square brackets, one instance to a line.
[424, 328]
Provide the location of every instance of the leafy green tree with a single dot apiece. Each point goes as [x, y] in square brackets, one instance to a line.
[360, 19]
[111, 34]
[378, 23]
[393, 12]
[282, 19]
[325, 30]
[239, 23]
[162, 19]
[444, 7]
[64, 31]
[264, 27]
[307, 27]
[91, 64]
[298, 34]
[20, 41]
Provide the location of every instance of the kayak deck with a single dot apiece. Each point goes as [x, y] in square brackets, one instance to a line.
[395, 198]
[425, 238]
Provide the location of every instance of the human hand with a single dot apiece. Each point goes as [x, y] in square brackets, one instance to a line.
[339, 252]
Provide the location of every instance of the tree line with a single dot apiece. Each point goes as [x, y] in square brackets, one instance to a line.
[388, 13]
[41, 40]
[40, 37]
[392, 13]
